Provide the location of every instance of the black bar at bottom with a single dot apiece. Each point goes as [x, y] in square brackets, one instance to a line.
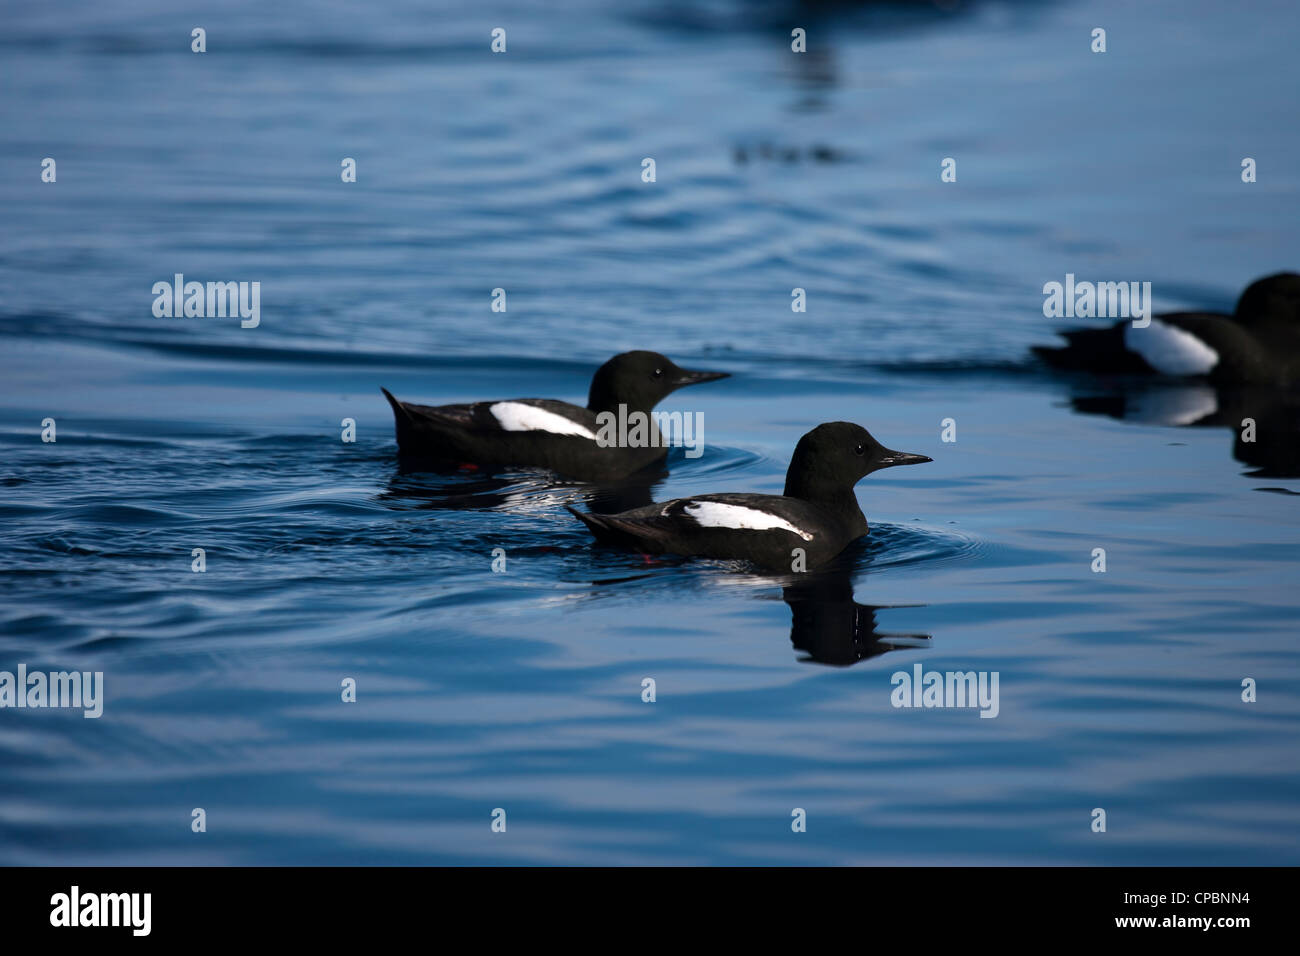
[335, 905]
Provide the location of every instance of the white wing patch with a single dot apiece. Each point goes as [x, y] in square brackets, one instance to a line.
[715, 514]
[1170, 350]
[518, 417]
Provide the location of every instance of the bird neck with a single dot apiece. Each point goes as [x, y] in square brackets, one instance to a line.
[835, 496]
[603, 398]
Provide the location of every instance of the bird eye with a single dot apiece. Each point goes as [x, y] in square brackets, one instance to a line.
[860, 450]
[658, 373]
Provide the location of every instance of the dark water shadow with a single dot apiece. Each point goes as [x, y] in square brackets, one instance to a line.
[889, 17]
[1264, 422]
[444, 486]
[829, 627]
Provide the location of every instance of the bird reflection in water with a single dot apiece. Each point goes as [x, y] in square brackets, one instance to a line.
[447, 486]
[829, 627]
[1264, 421]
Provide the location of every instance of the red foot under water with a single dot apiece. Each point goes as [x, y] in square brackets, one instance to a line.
[468, 466]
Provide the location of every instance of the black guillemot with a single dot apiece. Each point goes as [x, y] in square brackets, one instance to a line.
[818, 515]
[1259, 344]
[546, 433]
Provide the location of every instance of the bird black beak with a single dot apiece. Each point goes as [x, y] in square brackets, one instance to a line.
[891, 458]
[686, 376]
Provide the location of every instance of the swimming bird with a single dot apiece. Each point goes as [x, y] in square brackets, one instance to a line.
[1259, 344]
[818, 512]
[546, 433]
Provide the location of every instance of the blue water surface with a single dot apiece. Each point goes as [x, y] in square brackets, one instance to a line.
[522, 690]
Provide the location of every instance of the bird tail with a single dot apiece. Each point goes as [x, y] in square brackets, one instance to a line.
[1095, 350]
[404, 421]
[593, 522]
[401, 413]
[610, 529]
[599, 525]
[398, 408]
